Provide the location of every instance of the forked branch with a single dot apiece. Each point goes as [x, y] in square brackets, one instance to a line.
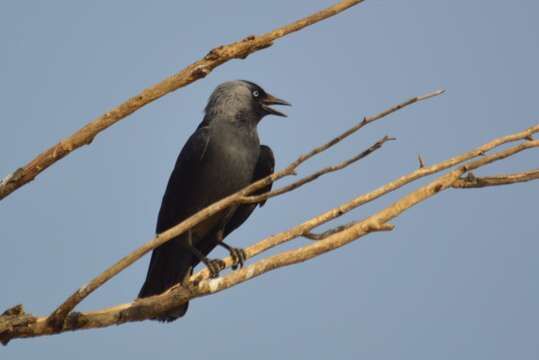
[471, 181]
[23, 325]
[16, 323]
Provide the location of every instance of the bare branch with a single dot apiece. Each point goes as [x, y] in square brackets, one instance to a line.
[16, 323]
[191, 73]
[472, 181]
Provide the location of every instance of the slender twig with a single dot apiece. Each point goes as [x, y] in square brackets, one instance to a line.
[420, 160]
[58, 316]
[470, 182]
[313, 236]
[366, 120]
[296, 184]
[17, 324]
[197, 70]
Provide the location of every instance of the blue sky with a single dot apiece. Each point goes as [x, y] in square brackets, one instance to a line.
[456, 279]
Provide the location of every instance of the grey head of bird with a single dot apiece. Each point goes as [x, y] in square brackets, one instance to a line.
[242, 101]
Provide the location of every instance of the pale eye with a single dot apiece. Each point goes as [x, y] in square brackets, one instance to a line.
[256, 93]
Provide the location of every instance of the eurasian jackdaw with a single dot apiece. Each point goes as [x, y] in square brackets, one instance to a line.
[221, 157]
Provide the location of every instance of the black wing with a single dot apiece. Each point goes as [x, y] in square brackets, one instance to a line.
[182, 181]
[264, 167]
[170, 262]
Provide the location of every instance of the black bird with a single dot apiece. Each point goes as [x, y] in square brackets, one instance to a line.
[222, 156]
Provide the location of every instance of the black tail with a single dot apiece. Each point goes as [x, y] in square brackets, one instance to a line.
[168, 266]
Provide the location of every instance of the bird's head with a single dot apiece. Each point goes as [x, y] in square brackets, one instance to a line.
[243, 100]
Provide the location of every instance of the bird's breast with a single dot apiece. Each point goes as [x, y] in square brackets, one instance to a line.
[229, 165]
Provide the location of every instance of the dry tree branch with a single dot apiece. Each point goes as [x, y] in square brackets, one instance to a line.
[16, 324]
[471, 181]
[197, 70]
[58, 316]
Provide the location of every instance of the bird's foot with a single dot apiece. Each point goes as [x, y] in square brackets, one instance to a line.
[215, 266]
[238, 257]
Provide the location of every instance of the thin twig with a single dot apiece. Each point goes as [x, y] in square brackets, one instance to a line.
[420, 160]
[296, 184]
[316, 237]
[197, 70]
[366, 120]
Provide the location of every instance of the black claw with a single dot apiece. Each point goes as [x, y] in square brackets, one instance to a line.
[215, 266]
[243, 256]
[238, 256]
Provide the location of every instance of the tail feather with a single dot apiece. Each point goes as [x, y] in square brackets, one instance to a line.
[168, 267]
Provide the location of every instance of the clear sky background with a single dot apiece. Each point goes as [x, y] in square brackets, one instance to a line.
[456, 279]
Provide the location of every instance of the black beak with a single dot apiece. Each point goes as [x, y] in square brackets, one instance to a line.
[272, 100]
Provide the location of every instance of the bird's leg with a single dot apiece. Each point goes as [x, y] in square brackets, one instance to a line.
[214, 265]
[238, 255]
[190, 237]
[185, 280]
[188, 274]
